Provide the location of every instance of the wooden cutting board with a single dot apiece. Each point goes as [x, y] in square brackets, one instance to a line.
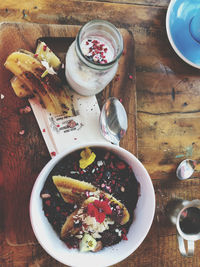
[24, 155]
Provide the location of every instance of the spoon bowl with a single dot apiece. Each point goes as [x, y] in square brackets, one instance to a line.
[186, 169]
[113, 120]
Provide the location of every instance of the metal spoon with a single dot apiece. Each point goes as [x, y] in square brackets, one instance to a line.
[113, 120]
[186, 168]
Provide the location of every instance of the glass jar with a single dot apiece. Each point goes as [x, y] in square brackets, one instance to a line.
[92, 59]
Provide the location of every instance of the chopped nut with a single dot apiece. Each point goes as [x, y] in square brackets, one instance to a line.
[25, 110]
[21, 132]
[98, 246]
[79, 236]
[122, 189]
[45, 195]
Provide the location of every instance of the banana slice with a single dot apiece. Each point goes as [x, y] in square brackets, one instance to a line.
[26, 52]
[49, 89]
[72, 190]
[80, 215]
[20, 88]
[24, 67]
[126, 215]
[68, 227]
[44, 53]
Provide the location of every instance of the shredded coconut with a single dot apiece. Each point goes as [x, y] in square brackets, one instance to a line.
[94, 227]
[99, 163]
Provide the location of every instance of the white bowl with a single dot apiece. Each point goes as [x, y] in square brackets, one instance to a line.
[144, 214]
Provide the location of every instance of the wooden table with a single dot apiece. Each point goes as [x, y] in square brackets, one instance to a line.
[168, 120]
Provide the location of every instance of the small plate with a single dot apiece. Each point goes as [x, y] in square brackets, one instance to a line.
[179, 16]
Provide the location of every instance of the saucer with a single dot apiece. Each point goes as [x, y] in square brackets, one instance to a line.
[179, 16]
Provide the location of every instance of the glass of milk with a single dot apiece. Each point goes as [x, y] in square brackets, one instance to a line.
[92, 59]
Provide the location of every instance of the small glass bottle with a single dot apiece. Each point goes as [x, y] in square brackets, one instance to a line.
[92, 59]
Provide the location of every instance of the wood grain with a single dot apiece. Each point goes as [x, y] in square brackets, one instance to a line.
[168, 116]
[23, 156]
[79, 12]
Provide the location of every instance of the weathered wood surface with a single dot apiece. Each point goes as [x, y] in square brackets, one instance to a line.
[168, 116]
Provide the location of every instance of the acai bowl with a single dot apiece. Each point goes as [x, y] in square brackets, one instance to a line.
[123, 243]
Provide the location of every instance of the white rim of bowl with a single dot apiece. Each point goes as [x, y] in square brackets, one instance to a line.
[171, 39]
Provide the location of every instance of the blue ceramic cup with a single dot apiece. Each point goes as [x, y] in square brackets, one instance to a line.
[183, 29]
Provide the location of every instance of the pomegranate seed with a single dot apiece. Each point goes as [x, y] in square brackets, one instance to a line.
[99, 176]
[117, 78]
[48, 202]
[121, 165]
[21, 132]
[124, 237]
[111, 165]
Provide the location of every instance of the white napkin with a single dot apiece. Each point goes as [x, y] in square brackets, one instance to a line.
[60, 132]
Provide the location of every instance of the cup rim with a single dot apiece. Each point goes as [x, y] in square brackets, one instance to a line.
[94, 65]
[191, 237]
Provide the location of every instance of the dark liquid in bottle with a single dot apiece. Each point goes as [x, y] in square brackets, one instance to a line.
[190, 220]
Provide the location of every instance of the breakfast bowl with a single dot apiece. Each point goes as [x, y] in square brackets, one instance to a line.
[109, 255]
